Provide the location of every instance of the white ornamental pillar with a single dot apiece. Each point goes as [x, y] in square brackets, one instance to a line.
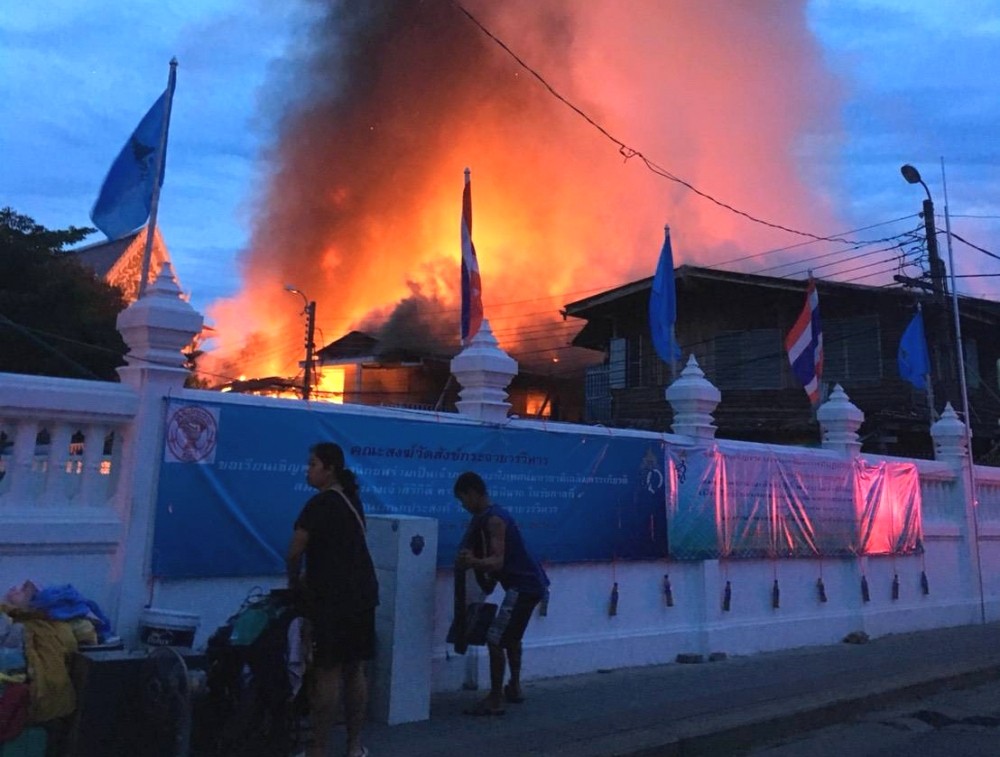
[693, 399]
[484, 372]
[839, 421]
[156, 328]
[951, 447]
[949, 437]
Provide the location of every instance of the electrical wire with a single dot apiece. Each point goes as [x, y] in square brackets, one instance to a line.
[628, 152]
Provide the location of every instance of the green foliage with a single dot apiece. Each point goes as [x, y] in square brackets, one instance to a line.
[56, 317]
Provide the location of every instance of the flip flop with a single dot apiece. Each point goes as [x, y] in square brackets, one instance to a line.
[481, 711]
[510, 696]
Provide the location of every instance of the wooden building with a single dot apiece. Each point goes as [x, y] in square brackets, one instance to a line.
[735, 324]
[356, 369]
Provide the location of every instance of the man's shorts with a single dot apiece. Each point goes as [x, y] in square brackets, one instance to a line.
[512, 618]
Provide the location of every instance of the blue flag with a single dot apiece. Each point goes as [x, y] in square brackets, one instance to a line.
[914, 364]
[663, 304]
[127, 193]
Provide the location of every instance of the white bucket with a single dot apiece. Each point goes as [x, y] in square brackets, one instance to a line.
[167, 628]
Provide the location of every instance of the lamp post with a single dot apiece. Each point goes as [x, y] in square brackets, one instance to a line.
[310, 314]
[912, 175]
[939, 326]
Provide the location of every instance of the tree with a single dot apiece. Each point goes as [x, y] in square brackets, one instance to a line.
[56, 317]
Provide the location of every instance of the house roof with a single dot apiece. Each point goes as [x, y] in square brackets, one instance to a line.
[589, 306]
[101, 257]
[353, 344]
[119, 261]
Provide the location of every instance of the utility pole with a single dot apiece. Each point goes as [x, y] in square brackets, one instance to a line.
[310, 314]
[310, 346]
[938, 333]
[936, 264]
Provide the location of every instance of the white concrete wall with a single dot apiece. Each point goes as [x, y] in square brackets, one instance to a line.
[63, 519]
[75, 515]
[59, 517]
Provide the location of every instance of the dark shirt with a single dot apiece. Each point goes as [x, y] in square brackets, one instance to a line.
[340, 577]
[520, 570]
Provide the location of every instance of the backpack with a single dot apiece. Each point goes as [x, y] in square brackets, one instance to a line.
[249, 710]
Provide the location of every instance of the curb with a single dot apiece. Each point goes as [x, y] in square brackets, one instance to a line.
[736, 738]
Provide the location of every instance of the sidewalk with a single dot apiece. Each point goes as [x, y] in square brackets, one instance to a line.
[709, 708]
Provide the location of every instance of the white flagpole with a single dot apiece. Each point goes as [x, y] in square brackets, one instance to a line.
[147, 253]
[673, 325]
[959, 348]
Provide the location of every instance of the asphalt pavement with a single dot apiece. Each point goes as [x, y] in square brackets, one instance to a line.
[712, 708]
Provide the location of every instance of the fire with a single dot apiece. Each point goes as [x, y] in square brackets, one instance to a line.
[330, 384]
[363, 204]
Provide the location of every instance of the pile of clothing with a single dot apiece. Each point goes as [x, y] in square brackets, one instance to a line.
[39, 629]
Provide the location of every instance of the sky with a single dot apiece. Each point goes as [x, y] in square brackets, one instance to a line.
[798, 113]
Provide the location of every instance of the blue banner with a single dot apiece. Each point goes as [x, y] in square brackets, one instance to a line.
[233, 481]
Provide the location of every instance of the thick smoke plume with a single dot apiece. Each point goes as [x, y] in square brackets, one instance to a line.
[361, 210]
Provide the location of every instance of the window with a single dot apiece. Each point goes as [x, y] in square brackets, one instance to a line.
[852, 350]
[616, 364]
[597, 394]
[643, 362]
[748, 359]
[971, 352]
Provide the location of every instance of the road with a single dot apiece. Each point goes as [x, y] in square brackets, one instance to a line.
[958, 723]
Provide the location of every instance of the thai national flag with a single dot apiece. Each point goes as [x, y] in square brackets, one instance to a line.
[472, 288]
[804, 344]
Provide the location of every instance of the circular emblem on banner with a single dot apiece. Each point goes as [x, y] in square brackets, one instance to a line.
[191, 434]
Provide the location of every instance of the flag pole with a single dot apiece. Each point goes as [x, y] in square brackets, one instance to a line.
[673, 331]
[147, 253]
[960, 350]
[461, 314]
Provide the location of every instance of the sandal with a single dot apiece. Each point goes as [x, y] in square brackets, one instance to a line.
[511, 695]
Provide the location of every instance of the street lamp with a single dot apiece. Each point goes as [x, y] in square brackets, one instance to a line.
[912, 175]
[310, 314]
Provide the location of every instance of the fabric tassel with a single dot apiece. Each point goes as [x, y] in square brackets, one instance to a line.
[775, 595]
[895, 587]
[613, 605]
[543, 605]
[924, 586]
[821, 589]
[668, 593]
[727, 597]
[865, 595]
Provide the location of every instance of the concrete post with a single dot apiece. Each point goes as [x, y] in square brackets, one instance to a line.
[156, 329]
[839, 421]
[484, 372]
[951, 446]
[693, 399]
[948, 433]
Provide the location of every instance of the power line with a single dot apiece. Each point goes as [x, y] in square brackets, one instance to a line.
[975, 247]
[31, 333]
[628, 152]
[809, 242]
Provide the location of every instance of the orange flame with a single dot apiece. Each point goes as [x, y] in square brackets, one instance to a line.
[362, 209]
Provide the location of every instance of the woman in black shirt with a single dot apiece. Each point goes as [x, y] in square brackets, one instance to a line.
[340, 591]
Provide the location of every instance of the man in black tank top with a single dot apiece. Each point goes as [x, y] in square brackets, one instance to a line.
[493, 546]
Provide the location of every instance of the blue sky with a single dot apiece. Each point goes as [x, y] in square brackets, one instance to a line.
[917, 82]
